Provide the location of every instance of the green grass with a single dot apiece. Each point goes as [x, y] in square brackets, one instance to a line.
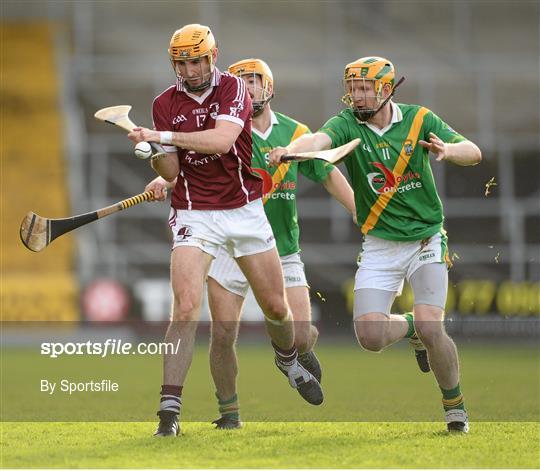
[270, 445]
[501, 383]
[379, 411]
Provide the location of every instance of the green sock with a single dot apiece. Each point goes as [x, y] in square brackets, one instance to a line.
[410, 319]
[229, 408]
[452, 398]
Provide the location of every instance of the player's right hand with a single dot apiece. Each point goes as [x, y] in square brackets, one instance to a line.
[159, 186]
[274, 157]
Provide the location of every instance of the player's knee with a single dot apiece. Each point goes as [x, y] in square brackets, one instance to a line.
[275, 309]
[223, 334]
[185, 309]
[369, 338]
[370, 343]
[429, 332]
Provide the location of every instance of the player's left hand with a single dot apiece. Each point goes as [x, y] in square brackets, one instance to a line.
[435, 146]
[144, 134]
[159, 186]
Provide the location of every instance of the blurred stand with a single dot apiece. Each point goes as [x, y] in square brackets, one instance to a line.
[472, 63]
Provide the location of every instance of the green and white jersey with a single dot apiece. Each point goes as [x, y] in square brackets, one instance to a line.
[279, 183]
[391, 176]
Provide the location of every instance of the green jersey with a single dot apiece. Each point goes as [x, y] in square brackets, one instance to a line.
[279, 183]
[391, 176]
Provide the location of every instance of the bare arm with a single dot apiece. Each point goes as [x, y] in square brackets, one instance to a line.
[210, 141]
[338, 186]
[305, 143]
[461, 153]
[166, 165]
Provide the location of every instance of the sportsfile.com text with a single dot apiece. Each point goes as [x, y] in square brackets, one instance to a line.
[109, 347]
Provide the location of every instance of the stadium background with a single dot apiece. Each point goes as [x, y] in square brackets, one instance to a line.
[474, 63]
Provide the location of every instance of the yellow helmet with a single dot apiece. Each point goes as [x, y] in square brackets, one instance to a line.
[256, 67]
[193, 42]
[377, 69]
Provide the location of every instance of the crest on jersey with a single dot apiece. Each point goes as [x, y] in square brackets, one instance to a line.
[214, 110]
[408, 147]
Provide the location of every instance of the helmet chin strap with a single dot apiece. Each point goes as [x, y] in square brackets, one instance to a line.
[365, 115]
[258, 106]
[198, 88]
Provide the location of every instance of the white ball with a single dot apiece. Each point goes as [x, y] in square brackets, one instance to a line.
[143, 150]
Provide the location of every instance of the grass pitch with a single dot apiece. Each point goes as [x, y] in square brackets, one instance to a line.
[270, 445]
[379, 411]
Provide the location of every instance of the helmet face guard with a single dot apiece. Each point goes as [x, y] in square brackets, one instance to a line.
[262, 91]
[376, 70]
[363, 114]
[259, 78]
[193, 43]
[205, 76]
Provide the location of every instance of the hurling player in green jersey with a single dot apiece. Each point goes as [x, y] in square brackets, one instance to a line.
[227, 285]
[401, 217]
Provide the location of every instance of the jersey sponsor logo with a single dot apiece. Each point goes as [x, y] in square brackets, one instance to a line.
[385, 181]
[280, 189]
[199, 111]
[266, 178]
[197, 160]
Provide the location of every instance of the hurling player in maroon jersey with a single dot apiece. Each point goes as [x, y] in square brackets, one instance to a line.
[203, 123]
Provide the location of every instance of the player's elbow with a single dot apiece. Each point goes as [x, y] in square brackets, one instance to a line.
[168, 174]
[475, 154]
[223, 147]
[221, 144]
[170, 178]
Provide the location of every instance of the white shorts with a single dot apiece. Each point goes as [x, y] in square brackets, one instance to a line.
[241, 231]
[227, 273]
[384, 264]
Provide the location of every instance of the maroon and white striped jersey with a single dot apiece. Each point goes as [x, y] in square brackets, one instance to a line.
[217, 181]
